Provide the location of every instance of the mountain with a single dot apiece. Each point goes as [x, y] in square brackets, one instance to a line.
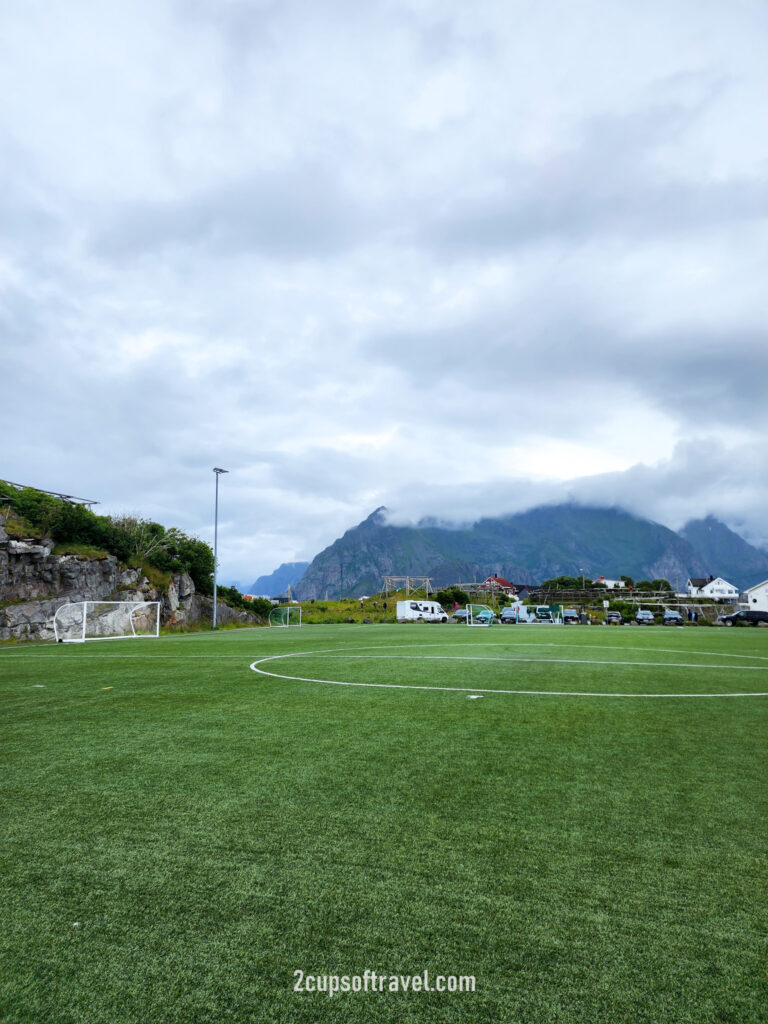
[527, 547]
[278, 581]
[725, 552]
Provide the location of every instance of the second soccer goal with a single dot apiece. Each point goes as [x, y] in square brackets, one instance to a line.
[285, 615]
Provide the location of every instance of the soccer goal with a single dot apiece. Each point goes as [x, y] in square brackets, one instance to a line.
[285, 615]
[479, 615]
[106, 620]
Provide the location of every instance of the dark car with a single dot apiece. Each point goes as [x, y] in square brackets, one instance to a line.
[484, 617]
[645, 617]
[672, 618]
[744, 618]
[570, 615]
[613, 618]
[509, 616]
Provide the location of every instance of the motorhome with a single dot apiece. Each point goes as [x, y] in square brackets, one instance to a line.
[420, 611]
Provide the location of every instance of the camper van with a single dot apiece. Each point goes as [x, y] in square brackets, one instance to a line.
[420, 611]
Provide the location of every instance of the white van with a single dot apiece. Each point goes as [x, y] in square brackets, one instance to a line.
[420, 611]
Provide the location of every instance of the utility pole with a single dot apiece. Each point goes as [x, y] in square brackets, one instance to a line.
[218, 473]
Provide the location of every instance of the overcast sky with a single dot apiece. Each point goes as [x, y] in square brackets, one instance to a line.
[451, 258]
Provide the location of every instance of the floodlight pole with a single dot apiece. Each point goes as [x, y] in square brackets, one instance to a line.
[218, 473]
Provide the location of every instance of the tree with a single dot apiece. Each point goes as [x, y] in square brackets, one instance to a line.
[143, 537]
[648, 586]
[261, 606]
[563, 583]
[188, 554]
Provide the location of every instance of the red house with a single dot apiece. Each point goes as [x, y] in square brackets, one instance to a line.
[500, 585]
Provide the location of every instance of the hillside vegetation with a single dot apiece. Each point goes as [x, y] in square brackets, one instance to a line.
[134, 541]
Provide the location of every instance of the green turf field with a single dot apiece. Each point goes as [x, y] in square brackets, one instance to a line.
[182, 831]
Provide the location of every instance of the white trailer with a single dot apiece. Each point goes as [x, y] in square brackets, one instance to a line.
[420, 611]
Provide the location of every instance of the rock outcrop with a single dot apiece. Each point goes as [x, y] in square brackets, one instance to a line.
[34, 583]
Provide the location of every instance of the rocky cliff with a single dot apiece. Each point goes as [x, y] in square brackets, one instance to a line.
[34, 583]
[526, 547]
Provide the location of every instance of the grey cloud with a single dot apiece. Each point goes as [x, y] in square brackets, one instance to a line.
[701, 477]
[299, 212]
[319, 472]
[607, 185]
[556, 360]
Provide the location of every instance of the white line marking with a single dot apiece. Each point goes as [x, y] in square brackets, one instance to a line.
[542, 661]
[474, 689]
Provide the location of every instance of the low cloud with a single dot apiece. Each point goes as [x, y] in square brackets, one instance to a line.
[701, 478]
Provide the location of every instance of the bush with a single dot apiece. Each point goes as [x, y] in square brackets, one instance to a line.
[260, 606]
[450, 596]
[565, 583]
[232, 596]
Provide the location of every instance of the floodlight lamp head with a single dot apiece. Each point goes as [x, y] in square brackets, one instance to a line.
[217, 470]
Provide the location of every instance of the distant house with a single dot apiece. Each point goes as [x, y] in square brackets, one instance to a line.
[715, 588]
[610, 584]
[499, 584]
[756, 597]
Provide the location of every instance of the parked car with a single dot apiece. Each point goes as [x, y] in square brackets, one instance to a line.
[744, 617]
[484, 617]
[672, 618]
[645, 617]
[613, 618]
[570, 615]
[509, 615]
[543, 613]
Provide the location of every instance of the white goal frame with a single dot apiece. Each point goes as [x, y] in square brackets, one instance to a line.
[132, 607]
[474, 609]
[289, 611]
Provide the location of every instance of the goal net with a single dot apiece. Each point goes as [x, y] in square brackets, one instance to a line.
[106, 620]
[479, 615]
[285, 615]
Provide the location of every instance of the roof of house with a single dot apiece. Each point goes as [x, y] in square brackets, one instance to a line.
[499, 581]
[700, 581]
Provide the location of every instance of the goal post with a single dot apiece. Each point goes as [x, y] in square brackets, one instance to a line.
[479, 615]
[78, 621]
[285, 615]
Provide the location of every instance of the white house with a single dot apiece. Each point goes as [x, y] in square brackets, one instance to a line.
[610, 584]
[715, 588]
[756, 597]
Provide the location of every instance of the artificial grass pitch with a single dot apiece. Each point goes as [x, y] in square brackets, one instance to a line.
[181, 833]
